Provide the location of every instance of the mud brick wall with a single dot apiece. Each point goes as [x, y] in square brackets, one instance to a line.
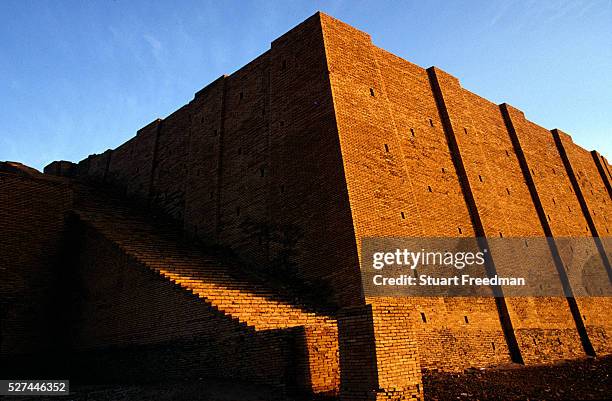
[549, 176]
[397, 357]
[308, 193]
[317, 369]
[606, 168]
[407, 172]
[97, 166]
[131, 164]
[325, 139]
[61, 168]
[253, 163]
[592, 193]
[561, 209]
[202, 196]
[493, 182]
[244, 169]
[125, 314]
[438, 196]
[544, 327]
[32, 215]
[604, 172]
[381, 194]
[120, 161]
[446, 341]
[370, 369]
[170, 170]
[439, 324]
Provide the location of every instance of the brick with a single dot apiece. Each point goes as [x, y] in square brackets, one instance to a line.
[288, 162]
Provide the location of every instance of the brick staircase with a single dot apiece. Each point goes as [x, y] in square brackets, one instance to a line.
[159, 247]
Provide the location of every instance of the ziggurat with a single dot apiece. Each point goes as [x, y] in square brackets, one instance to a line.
[288, 162]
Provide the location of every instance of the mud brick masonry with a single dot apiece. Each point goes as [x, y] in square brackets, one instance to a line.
[322, 140]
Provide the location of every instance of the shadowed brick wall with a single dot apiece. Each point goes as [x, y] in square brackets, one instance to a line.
[32, 215]
[124, 314]
[253, 163]
[135, 156]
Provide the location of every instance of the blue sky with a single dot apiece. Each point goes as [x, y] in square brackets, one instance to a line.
[78, 77]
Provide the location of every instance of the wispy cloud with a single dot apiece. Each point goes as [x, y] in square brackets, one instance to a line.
[501, 12]
[154, 43]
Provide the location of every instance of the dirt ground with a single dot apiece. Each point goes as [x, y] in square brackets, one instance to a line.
[588, 379]
[198, 390]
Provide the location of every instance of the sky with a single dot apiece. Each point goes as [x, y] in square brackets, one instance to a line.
[79, 77]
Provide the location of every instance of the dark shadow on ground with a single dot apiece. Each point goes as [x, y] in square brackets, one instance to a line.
[193, 390]
[587, 379]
